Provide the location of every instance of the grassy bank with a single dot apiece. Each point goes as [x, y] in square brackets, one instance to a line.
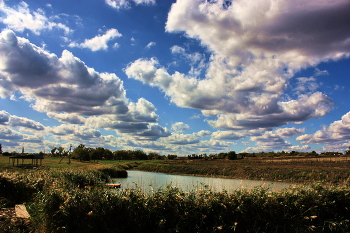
[66, 201]
[76, 199]
[325, 171]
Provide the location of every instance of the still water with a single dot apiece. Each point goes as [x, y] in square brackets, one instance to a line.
[149, 181]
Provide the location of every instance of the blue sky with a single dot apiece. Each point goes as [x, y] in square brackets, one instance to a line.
[175, 77]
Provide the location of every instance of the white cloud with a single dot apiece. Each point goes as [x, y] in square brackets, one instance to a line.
[125, 4]
[236, 135]
[181, 139]
[99, 42]
[179, 127]
[177, 49]
[22, 18]
[256, 49]
[141, 111]
[16, 121]
[306, 85]
[150, 44]
[74, 132]
[336, 135]
[55, 84]
[237, 106]
[67, 118]
[289, 132]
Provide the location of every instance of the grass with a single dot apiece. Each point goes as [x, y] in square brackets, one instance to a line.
[298, 170]
[77, 200]
[314, 209]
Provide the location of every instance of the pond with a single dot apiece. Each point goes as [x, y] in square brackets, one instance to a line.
[149, 181]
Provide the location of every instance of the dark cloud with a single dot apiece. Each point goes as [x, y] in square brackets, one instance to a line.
[15, 121]
[4, 117]
[318, 31]
[154, 132]
[8, 134]
[63, 84]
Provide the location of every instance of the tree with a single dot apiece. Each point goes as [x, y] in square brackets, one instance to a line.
[0, 148]
[82, 153]
[232, 155]
[170, 157]
[347, 152]
[53, 151]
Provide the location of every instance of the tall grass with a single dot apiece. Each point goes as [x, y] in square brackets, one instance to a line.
[18, 187]
[78, 201]
[312, 209]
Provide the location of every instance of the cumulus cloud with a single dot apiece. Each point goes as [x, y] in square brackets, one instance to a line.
[74, 132]
[125, 4]
[9, 134]
[256, 49]
[154, 132]
[141, 111]
[235, 135]
[336, 135]
[236, 109]
[15, 121]
[150, 44]
[195, 60]
[21, 18]
[67, 118]
[181, 139]
[179, 127]
[70, 92]
[99, 42]
[55, 84]
[203, 133]
[275, 140]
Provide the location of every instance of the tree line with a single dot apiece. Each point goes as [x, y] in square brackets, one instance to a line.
[84, 153]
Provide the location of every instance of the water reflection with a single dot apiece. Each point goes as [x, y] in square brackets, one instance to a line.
[149, 181]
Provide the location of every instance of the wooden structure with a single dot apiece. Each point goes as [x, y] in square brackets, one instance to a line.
[114, 186]
[36, 160]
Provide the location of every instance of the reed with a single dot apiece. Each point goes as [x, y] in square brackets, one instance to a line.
[300, 209]
[65, 200]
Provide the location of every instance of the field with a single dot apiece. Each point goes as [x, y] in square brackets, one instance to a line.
[62, 197]
[331, 170]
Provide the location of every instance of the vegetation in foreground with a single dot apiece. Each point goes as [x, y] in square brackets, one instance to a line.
[65, 200]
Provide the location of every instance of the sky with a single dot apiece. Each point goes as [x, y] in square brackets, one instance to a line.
[175, 76]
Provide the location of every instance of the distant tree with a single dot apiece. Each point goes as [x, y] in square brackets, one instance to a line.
[0, 148]
[140, 155]
[172, 157]
[221, 155]
[347, 152]
[82, 153]
[6, 153]
[232, 155]
[154, 155]
[314, 153]
[53, 151]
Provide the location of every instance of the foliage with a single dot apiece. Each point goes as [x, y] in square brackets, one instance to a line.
[306, 209]
[77, 200]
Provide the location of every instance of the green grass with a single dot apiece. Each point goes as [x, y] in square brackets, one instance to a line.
[77, 200]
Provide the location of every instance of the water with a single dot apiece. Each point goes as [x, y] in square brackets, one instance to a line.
[149, 181]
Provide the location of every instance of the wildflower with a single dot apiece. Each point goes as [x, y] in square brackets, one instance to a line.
[219, 228]
[90, 213]
[313, 217]
[125, 198]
